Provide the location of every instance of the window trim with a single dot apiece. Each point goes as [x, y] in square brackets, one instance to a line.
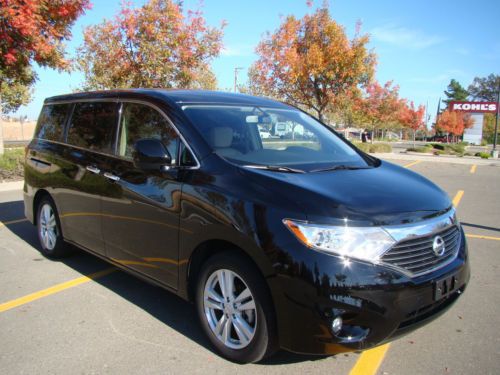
[117, 125]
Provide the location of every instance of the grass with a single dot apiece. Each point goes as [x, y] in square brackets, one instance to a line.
[441, 149]
[11, 165]
[374, 148]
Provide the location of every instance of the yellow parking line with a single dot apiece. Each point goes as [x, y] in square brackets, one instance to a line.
[5, 223]
[54, 289]
[412, 164]
[473, 168]
[458, 197]
[483, 237]
[369, 362]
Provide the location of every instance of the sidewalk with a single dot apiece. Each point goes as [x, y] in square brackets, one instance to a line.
[12, 185]
[437, 159]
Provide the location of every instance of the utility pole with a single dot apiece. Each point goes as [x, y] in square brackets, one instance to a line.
[494, 152]
[236, 77]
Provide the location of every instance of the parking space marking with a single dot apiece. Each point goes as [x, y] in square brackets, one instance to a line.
[473, 168]
[412, 163]
[54, 289]
[369, 361]
[5, 223]
[458, 197]
[483, 237]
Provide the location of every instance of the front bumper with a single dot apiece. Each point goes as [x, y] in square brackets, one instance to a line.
[377, 304]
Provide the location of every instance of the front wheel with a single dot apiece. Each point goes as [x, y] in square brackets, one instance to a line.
[235, 309]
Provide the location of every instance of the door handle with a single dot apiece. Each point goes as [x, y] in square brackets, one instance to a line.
[111, 176]
[93, 169]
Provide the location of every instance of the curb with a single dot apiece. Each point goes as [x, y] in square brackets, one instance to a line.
[437, 159]
[11, 185]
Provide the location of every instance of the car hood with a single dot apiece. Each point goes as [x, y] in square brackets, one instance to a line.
[384, 195]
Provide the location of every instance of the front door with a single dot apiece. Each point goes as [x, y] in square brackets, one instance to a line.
[141, 221]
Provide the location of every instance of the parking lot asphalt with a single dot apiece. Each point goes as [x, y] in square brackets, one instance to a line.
[55, 320]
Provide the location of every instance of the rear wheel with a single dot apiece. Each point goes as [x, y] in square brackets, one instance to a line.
[49, 232]
[235, 309]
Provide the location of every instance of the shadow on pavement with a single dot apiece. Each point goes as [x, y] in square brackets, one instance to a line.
[480, 226]
[163, 305]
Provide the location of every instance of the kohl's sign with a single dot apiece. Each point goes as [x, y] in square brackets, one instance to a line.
[473, 106]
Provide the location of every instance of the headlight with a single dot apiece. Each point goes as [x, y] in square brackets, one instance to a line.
[366, 243]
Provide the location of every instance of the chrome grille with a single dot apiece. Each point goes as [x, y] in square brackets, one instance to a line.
[416, 255]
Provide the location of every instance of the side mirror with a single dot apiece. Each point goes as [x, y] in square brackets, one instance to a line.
[151, 154]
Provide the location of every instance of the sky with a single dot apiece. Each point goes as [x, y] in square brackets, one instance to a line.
[420, 45]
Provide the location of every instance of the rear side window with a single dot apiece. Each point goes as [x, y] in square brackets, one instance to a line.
[92, 126]
[51, 122]
[140, 121]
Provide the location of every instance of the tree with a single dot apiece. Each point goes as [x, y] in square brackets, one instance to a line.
[485, 89]
[380, 106]
[455, 92]
[412, 118]
[32, 31]
[453, 122]
[311, 63]
[155, 45]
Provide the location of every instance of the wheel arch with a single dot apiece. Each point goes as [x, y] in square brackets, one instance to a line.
[39, 195]
[206, 250]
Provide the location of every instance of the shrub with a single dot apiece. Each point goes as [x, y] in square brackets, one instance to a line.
[439, 152]
[380, 147]
[11, 164]
[484, 155]
[374, 148]
[458, 148]
[424, 149]
[438, 146]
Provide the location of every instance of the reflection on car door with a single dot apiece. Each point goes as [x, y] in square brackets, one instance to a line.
[90, 137]
[141, 222]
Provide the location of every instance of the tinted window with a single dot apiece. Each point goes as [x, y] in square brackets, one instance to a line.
[92, 125]
[51, 122]
[140, 121]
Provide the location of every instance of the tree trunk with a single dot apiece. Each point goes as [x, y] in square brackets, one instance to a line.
[414, 136]
[1, 123]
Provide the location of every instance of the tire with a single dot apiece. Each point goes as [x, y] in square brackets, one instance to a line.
[251, 331]
[49, 230]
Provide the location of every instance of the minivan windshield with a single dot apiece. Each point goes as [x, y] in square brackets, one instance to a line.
[282, 140]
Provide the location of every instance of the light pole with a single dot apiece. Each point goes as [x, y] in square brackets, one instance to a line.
[494, 152]
[236, 77]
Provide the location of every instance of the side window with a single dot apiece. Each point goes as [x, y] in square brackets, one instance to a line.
[51, 122]
[140, 121]
[92, 126]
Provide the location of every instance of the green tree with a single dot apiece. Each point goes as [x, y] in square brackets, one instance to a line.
[455, 92]
[155, 45]
[32, 31]
[486, 88]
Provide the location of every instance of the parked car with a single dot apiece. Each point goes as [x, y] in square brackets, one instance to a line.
[264, 134]
[320, 249]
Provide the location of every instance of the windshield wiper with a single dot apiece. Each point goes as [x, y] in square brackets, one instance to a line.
[339, 167]
[275, 168]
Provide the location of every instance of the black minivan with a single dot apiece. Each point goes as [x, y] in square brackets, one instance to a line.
[281, 232]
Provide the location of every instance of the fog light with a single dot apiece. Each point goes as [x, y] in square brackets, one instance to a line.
[337, 325]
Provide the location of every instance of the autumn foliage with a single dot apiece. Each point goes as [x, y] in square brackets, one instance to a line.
[311, 63]
[34, 30]
[156, 45]
[380, 105]
[453, 122]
